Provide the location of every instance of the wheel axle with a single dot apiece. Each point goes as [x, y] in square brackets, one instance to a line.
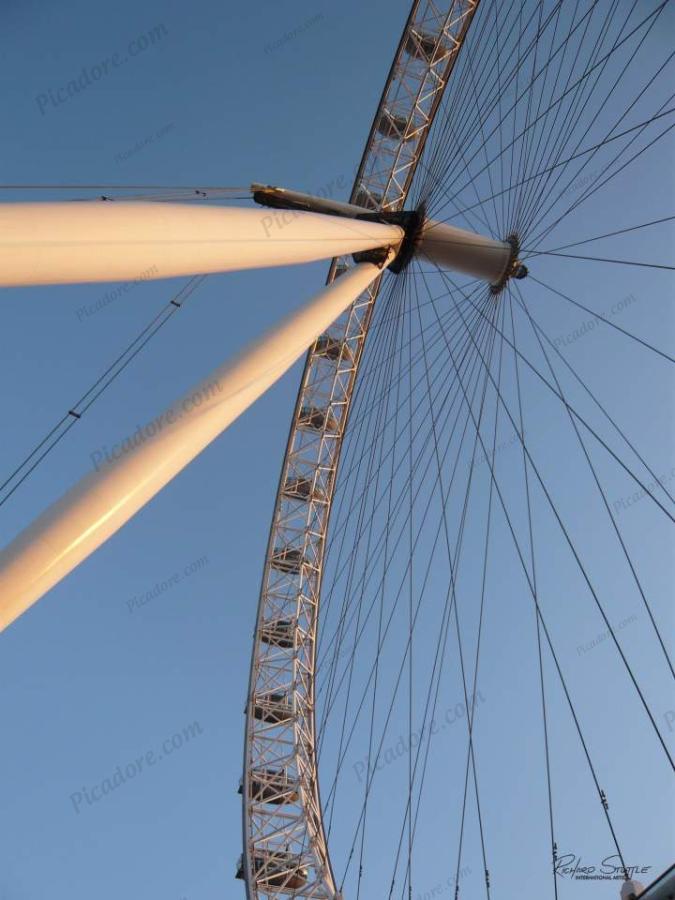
[446, 246]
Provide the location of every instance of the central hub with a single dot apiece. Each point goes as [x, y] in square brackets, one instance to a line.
[454, 249]
[412, 223]
[445, 246]
[514, 268]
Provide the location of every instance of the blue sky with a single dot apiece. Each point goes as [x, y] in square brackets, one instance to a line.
[97, 675]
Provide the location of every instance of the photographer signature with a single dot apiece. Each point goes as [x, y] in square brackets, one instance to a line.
[569, 865]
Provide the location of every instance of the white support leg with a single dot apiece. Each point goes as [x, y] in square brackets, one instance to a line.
[94, 509]
[68, 243]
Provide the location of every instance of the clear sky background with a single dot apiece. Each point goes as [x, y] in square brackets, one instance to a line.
[90, 679]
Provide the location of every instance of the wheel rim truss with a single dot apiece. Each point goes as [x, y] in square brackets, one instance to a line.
[285, 848]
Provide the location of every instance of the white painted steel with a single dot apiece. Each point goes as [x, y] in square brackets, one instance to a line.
[95, 508]
[464, 251]
[69, 243]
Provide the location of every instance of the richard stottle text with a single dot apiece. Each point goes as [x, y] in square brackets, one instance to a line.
[569, 865]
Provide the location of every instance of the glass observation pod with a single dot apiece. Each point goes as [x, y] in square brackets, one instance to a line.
[279, 633]
[302, 488]
[273, 708]
[333, 348]
[392, 126]
[312, 417]
[272, 786]
[280, 870]
[424, 46]
[367, 198]
[287, 559]
[299, 488]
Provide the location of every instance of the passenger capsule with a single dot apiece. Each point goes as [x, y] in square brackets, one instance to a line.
[273, 708]
[279, 869]
[287, 559]
[424, 46]
[368, 199]
[272, 786]
[319, 419]
[333, 349]
[279, 633]
[392, 126]
[299, 488]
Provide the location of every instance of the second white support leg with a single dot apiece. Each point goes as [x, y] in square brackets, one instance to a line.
[95, 508]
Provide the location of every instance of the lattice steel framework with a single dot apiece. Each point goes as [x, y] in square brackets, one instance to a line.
[285, 851]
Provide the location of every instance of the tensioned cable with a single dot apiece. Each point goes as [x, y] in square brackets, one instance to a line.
[526, 143]
[596, 186]
[377, 659]
[602, 61]
[445, 396]
[600, 237]
[542, 689]
[410, 594]
[621, 262]
[447, 377]
[601, 794]
[603, 319]
[528, 362]
[627, 556]
[470, 754]
[374, 558]
[404, 489]
[76, 412]
[352, 502]
[546, 129]
[390, 290]
[633, 103]
[397, 503]
[372, 418]
[374, 483]
[434, 210]
[589, 427]
[496, 95]
[577, 155]
[531, 196]
[451, 100]
[370, 440]
[453, 576]
[586, 577]
[386, 630]
[373, 561]
[484, 144]
[401, 533]
[450, 596]
[595, 400]
[516, 358]
[355, 415]
[121, 187]
[572, 119]
[511, 108]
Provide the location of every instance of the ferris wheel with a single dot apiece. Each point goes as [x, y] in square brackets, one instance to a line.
[492, 116]
[477, 490]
